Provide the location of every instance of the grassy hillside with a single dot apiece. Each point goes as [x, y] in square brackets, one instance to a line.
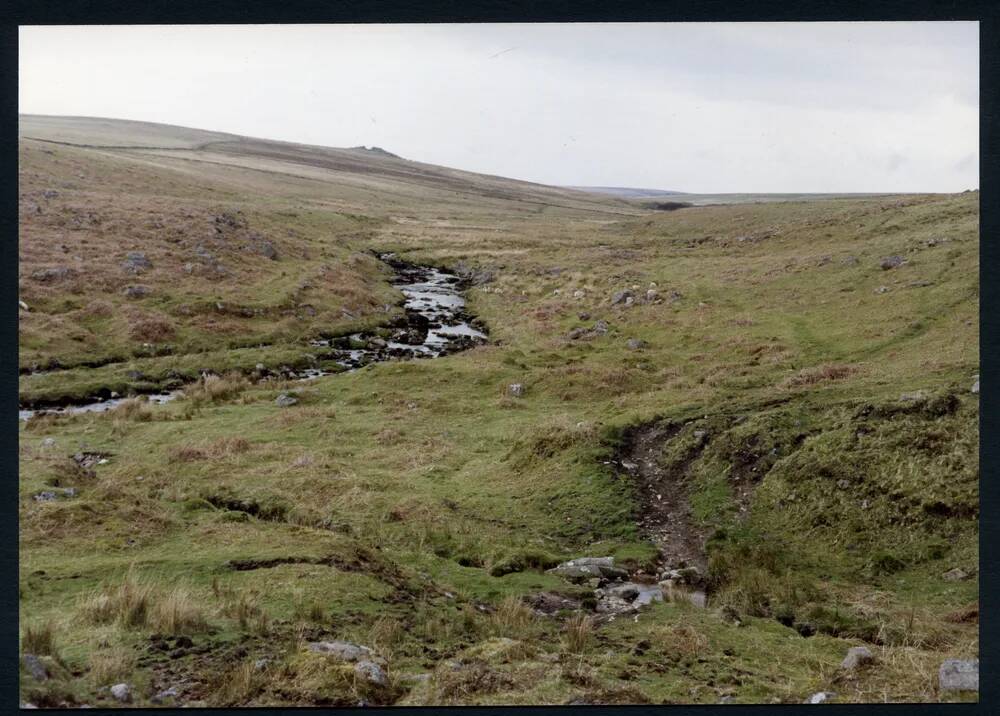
[811, 409]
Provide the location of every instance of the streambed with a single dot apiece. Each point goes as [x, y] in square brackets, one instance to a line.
[434, 323]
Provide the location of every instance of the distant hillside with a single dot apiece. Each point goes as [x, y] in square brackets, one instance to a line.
[626, 192]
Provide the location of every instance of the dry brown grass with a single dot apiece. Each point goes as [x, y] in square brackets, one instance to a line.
[214, 388]
[819, 374]
[579, 633]
[112, 665]
[177, 613]
[512, 618]
[39, 638]
[136, 409]
[151, 330]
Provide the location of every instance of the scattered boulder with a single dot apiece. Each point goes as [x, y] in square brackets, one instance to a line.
[578, 333]
[584, 568]
[285, 400]
[620, 297]
[122, 692]
[136, 262]
[35, 667]
[165, 696]
[820, 697]
[882, 289]
[262, 247]
[515, 390]
[651, 295]
[975, 384]
[857, 656]
[136, 291]
[50, 193]
[343, 650]
[891, 262]
[629, 301]
[579, 294]
[371, 672]
[959, 675]
[22, 305]
[601, 328]
[955, 575]
[636, 344]
[52, 275]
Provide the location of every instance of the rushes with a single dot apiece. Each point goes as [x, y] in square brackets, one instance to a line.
[512, 619]
[39, 638]
[109, 666]
[136, 604]
[579, 633]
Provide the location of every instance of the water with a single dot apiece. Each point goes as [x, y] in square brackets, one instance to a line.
[435, 324]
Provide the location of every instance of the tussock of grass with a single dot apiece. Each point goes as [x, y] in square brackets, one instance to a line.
[39, 638]
[579, 633]
[112, 665]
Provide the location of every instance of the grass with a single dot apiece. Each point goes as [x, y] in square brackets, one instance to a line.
[413, 506]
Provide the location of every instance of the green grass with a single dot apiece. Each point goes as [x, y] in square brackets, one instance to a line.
[405, 505]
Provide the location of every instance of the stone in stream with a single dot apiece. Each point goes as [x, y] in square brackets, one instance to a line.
[959, 675]
[857, 656]
[584, 568]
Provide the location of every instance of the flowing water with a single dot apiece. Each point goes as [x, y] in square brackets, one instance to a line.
[434, 324]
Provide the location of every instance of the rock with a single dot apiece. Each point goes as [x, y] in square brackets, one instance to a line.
[578, 333]
[891, 262]
[959, 675]
[856, 656]
[261, 664]
[843, 484]
[262, 247]
[819, 697]
[136, 291]
[584, 568]
[955, 575]
[35, 667]
[601, 328]
[515, 390]
[52, 275]
[371, 672]
[584, 316]
[651, 295]
[46, 496]
[579, 294]
[122, 692]
[50, 193]
[882, 289]
[975, 385]
[48, 442]
[343, 650]
[22, 305]
[636, 344]
[629, 301]
[620, 297]
[166, 695]
[285, 400]
[136, 262]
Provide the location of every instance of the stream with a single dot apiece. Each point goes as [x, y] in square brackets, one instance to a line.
[434, 323]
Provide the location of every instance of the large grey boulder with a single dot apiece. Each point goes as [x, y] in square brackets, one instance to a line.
[343, 650]
[584, 568]
[122, 692]
[959, 675]
[285, 400]
[857, 656]
[371, 672]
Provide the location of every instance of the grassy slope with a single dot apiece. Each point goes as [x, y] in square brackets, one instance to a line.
[394, 493]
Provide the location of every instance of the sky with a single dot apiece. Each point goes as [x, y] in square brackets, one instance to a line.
[697, 107]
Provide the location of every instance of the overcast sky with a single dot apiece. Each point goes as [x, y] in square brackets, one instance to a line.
[721, 107]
